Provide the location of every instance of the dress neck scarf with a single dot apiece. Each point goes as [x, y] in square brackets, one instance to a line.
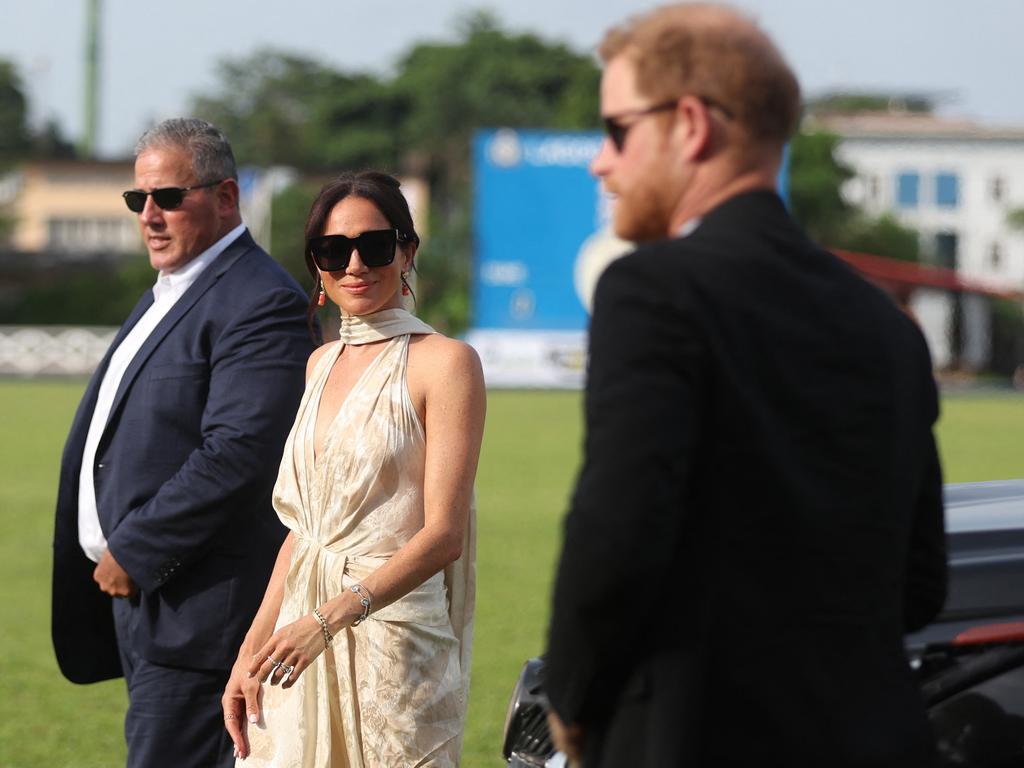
[382, 325]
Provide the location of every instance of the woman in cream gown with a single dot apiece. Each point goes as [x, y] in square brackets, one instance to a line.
[359, 654]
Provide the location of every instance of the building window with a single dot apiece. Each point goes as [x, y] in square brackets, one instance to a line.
[947, 245]
[998, 188]
[874, 189]
[947, 190]
[907, 185]
[995, 256]
[83, 236]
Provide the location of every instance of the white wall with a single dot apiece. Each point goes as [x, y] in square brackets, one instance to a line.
[978, 220]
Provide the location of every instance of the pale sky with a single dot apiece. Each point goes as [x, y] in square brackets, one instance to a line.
[156, 55]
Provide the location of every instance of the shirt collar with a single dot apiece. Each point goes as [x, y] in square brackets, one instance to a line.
[687, 227]
[178, 281]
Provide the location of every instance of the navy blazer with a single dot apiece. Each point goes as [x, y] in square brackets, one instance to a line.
[758, 519]
[184, 471]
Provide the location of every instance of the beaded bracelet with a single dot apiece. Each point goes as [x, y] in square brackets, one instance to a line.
[365, 598]
[323, 625]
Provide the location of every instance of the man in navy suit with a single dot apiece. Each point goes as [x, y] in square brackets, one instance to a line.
[165, 535]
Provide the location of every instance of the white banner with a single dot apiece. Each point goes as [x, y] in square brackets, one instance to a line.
[531, 359]
[52, 350]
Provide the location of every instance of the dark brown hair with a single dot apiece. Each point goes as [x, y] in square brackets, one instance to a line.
[381, 189]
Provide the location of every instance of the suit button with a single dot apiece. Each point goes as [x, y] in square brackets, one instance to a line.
[100, 466]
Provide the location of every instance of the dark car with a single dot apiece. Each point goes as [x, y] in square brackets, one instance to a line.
[970, 660]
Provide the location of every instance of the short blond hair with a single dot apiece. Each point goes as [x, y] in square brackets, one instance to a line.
[716, 53]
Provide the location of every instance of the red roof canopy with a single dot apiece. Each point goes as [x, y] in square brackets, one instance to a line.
[908, 274]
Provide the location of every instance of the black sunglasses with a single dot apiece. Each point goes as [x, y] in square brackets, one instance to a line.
[332, 253]
[618, 131]
[167, 198]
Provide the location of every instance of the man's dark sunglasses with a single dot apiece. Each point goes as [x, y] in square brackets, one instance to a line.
[618, 131]
[332, 253]
[167, 198]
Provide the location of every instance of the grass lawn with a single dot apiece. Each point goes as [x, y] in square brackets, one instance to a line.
[529, 461]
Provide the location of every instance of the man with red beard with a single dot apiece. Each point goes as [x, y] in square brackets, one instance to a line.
[758, 519]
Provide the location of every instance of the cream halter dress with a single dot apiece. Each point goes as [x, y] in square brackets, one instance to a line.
[392, 691]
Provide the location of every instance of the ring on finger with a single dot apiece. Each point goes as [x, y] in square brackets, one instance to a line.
[288, 668]
[275, 663]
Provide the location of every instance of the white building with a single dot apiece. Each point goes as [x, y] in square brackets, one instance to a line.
[953, 181]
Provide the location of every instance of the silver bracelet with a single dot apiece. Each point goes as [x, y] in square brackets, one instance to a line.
[365, 598]
[323, 625]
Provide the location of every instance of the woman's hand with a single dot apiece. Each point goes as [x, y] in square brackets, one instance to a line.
[241, 704]
[288, 652]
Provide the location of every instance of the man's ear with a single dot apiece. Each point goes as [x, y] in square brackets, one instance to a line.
[696, 127]
[227, 196]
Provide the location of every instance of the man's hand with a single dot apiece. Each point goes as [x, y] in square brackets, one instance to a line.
[112, 578]
[567, 738]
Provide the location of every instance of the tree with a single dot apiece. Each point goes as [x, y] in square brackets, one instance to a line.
[14, 132]
[845, 102]
[1015, 219]
[815, 183]
[278, 108]
[815, 180]
[15, 136]
[487, 78]
[883, 236]
[50, 143]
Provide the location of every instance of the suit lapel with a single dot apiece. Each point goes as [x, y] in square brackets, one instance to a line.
[203, 283]
[88, 402]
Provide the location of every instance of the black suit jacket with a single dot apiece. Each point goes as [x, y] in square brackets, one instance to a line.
[184, 471]
[759, 514]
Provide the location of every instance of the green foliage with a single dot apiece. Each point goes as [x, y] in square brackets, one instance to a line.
[15, 137]
[849, 103]
[17, 141]
[105, 296]
[816, 178]
[49, 142]
[1007, 336]
[279, 108]
[443, 262]
[1015, 219]
[291, 206]
[529, 459]
[883, 236]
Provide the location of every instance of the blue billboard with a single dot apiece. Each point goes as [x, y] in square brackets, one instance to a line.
[535, 204]
[542, 237]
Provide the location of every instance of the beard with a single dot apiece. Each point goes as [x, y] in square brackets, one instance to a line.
[642, 213]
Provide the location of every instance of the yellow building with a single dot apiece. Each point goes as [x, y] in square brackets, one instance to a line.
[74, 208]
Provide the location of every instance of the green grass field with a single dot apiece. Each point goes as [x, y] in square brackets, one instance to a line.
[530, 457]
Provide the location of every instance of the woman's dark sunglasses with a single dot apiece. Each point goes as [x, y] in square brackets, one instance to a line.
[167, 198]
[332, 253]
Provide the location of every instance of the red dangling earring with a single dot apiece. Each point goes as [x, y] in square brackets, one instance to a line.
[322, 298]
[405, 285]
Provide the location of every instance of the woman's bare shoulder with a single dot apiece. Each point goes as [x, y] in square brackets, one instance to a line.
[436, 356]
[317, 356]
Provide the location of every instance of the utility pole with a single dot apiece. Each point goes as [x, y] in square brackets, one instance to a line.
[87, 145]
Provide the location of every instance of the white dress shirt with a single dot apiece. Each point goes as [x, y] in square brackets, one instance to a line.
[170, 286]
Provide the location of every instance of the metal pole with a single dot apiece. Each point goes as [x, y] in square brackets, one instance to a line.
[87, 146]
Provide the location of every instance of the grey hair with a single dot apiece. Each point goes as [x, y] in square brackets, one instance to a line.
[212, 158]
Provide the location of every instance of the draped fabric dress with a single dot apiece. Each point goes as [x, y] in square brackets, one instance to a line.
[392, 691]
